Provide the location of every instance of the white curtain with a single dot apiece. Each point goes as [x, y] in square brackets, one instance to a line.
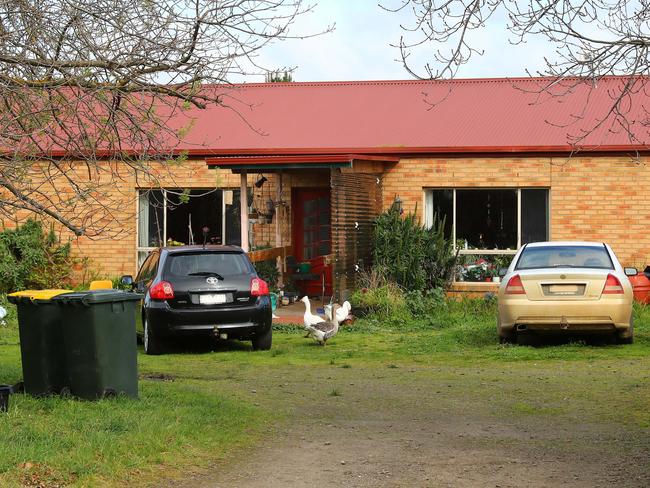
[428, 209]
[143, 219]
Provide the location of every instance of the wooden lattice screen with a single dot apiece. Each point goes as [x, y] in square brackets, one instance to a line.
[356, 202]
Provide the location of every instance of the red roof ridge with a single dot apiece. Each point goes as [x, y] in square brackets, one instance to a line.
[452, 81]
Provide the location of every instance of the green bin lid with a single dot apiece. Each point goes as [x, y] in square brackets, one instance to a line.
[90, 297]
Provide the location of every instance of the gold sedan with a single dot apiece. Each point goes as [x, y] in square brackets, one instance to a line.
[566, 287]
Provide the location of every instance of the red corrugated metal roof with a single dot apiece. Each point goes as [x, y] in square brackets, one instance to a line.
[374, 117]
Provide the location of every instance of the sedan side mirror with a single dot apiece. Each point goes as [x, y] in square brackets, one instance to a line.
[127, 280]
[502, 272]
[631, 272]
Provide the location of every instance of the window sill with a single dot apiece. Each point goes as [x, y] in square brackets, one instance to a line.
[470, 287]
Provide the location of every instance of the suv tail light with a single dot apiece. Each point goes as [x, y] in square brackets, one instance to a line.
[612, 286]
[515, 286]
[259, 287]
[162, 291]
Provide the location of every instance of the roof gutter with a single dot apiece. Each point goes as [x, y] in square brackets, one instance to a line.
[213, 154]
[366, 152]
[274, 161]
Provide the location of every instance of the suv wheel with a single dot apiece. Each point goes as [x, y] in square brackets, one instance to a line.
[152, 343]
[263, 341]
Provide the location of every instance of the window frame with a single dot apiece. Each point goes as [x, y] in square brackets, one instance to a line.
[429, 216]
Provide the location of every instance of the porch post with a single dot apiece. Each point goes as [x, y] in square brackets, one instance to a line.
[243, 206]
[280, 261]
[278, 198]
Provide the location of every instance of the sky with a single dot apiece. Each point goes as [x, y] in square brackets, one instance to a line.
[359, 47]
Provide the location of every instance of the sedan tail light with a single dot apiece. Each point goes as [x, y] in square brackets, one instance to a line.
[612, 286]
[259, 287]
[515, 286]
[162, 291]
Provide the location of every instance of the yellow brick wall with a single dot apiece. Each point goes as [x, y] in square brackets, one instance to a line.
[115, 256]
[114, 253]
[591, 198]
[601, 198]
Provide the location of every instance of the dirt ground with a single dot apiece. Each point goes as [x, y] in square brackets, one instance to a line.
[436, 427]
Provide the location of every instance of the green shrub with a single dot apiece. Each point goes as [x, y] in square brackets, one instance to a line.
[118, 285]
[467, 321]
[377, 295]
[386, 300]
[411, 255]
[423, 303]
[268, 271]
[30, 258]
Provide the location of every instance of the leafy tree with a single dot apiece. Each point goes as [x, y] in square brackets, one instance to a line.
[279, 77]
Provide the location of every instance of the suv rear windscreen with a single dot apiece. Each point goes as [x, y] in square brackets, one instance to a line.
[564, 256]
[194, 264]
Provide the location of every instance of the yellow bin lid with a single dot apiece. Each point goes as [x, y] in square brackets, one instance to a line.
[101, 285]
[38, 294]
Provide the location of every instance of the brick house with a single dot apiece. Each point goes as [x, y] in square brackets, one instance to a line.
[506, 165]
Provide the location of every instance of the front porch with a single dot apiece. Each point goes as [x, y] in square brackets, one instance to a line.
[313, 215]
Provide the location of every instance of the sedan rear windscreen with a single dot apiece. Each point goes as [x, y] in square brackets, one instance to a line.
[197, 264]
[564, 257]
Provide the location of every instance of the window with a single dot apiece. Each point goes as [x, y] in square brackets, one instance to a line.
[500, 220]
[489, 225]
[565, 256]
[223, 264]
[175, 215]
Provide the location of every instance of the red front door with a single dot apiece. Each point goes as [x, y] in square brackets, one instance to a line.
[312, 236]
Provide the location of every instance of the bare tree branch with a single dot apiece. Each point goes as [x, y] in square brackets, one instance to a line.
[590, 39]
[91, 91]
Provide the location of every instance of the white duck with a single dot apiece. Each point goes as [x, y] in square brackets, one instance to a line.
[323, 331]
[309, 318]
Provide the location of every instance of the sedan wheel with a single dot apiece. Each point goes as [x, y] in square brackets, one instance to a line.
[629, 338]
[507, 339]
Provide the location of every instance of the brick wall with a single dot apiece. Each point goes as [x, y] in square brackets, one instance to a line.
[599, 198]
[591, 198]
[114, 254]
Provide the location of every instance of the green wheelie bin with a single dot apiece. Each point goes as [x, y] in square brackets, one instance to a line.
[100, 342]
[41, 341]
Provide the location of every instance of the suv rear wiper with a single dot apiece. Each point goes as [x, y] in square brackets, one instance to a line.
[206, 273]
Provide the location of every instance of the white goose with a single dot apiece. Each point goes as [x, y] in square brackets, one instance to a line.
[342, 314]
[309, 318]
[323, 331]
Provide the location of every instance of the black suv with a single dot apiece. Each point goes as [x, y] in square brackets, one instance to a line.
[211, 290]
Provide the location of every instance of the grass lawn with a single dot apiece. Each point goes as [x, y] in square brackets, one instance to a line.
[203, 407]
